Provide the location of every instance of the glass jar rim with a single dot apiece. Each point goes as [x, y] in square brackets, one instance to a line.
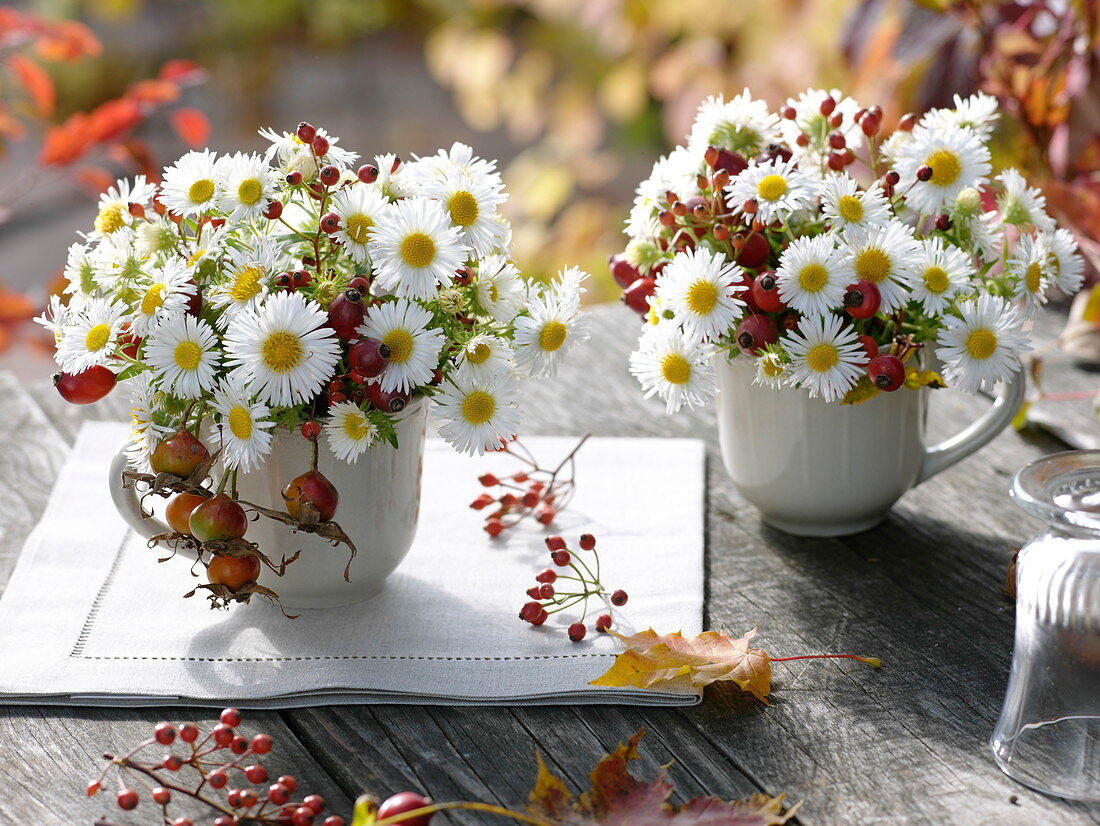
[1062, 488]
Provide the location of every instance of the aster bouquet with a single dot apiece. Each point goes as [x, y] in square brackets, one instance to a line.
[295, 290]
[832, 254]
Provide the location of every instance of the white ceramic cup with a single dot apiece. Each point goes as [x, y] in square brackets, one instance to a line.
[379, 507]
[818, 469]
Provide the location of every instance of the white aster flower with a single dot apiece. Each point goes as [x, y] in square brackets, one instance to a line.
[498, 289]
[283, 348]
[80, 270]
[249, 275]
[246, 185]
[699, 287]
[115, 261]
[479, 412]
[360, 207]
[983, 346]
[981, 234]
[942, 272]
[676, 172]
[1030, 266]
[978, 113]
[674, 367]
[1020, 204]
[349, 431]
[190, 184]
[394, 178]
[1066, 265]
[777, 186]
[166, 292]
[244, 429]
[183, 352]
[90, 334]
[290, 152]
[826, 358]
[472, 206]
[741, 125]
[55, 316]
[957, 158]
[145, 433]
[414, 346]
[114, 205]
[885, 256]
[459, 158]
[486, 354]
[812, 275]
[414, 248]
[155, 235]
[771, 371]
[552, 325]
[849, 209]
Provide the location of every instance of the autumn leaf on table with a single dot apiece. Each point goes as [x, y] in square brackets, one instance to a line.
[653, 660]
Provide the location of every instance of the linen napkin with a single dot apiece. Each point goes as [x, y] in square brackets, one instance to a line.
[91, 618]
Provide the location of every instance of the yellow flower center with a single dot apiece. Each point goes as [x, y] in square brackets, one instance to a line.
[822, 357]
[249, 191]
[358, 227]
[1033, 277]
[110, 219]
[478, 407]
[772, 367]
[240, 422]
[701, 297]
[194, 259]
[936, 280]
[400, 344]
[771, 187]
[282, 351]
[494, 292]
[97, 337]
[246, 283]
[187, 355]
[675, 369]
[418, 249]
[355, 426]
[463, 208]
[153, 300]
[873, 265]
[813, 278]
[479, 354]
[850, 209]
[201, 191]
[945, 167]
[981, 343]
[553, 335]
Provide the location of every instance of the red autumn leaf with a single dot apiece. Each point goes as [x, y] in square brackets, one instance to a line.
[154, 92]
[67, 41]
[191, 125]
[36, 81]
[182, 72]
[15, 307]
[93, 179]
[617, 798]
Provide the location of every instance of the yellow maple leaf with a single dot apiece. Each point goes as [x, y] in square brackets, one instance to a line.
[670, 659]
[863, 390]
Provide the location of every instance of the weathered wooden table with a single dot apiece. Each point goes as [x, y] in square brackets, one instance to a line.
[902, 745]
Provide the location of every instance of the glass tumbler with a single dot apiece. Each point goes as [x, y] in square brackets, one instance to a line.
[1048, 734]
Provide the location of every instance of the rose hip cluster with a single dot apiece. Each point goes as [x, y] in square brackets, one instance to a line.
[755, 245]
[533, 492]
[220, 770]
[573, 582]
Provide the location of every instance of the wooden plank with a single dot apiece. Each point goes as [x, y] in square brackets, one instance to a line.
[48, 754]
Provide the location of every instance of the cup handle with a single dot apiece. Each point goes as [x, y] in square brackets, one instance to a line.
[129, 506]
[942, 456]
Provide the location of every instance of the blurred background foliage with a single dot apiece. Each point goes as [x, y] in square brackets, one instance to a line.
[575, 97]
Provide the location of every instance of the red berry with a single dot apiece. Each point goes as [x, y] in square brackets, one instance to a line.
[233, 798]
[587, 542]
[619, 598]
[603, 622]
[320, 146]
[217, 778]
[623, 271]
[546, 591]
[230, 717]
[886, 372]
[529, 499]
[561, 558]
[636, 294]
[164, 733]
[907, 122]
[755, 332]
[182, 821]
[278, 794]
[943, 222]
[218, 519]
[729, 162]
[161, 796]
[303, 816]
[274, 211]
[788, 112]
[836, 140]
[924, 173]
[248, 798]
[329, 175]
[494, 527]
[870, 124]
[172, 762]
[755, 252]
[226, 820]
[403, 802]
[577, 631]
[835, 161]
[545, 516]
[312, 489]
[541, 618]
[306, 132]
[294, 178]
[892, 177]
[488, 480]
[223, 734]
[261, 744]
[85, 387]
[369, 358]
[234, 572]
[529, 611]
[288, 781]
[803, 139]
[345, 314]
[555, 542]
[827, 106]
[180, 454]
[127, 799]
[368, 173]
[533, 592]
[255, 774]
[330, 222]
[314, 802]
[547, 575]
[189, 732]
[870, 346]
[862, 299]
[310, 430]
[836, 120]
[333, 820]
[765, 292]
[92, 789]
[482, 502]
[393, 401]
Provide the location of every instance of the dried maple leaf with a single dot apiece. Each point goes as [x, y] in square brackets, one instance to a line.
[668, 660]
[617, 798]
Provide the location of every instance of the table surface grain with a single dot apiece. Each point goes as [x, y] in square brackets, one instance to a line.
[903, 745]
